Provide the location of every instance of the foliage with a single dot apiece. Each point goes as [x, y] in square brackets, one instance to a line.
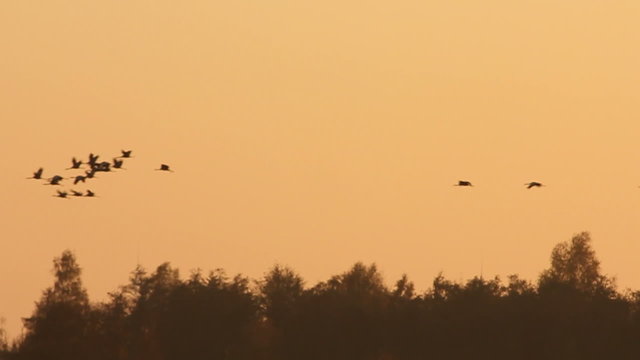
[574, 312]
[58, 327]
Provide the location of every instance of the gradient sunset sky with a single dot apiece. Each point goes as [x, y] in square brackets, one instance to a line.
[316, 134]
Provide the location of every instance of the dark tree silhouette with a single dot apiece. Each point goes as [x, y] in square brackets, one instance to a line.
[57, 328]
[342, 318]
[280, 292]
[575, 265]
[574, 312]
[4, 343]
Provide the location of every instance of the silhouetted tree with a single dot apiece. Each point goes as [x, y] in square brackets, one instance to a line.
[108, 327]
[151, 295]
[4, 343]
[58, 327]
[279, 294]
[575, 312]
[575, 265]
[405, 325]
[343, 318]
[582, 316]
[280, 290]
[202, 318]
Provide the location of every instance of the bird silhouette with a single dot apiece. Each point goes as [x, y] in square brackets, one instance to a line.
[126, 153]
[463, 183]
[61, 194]
[164, 167]
[37, 174]
[90, 193]
[76, 193]
[75, 164]
[117, 164]
[55, 180]
[103, 166]
[90, 173]
[79, 178]
[92, 159]
[533, 184]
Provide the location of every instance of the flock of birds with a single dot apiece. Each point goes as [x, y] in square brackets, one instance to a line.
[529, 185]
[91, 167]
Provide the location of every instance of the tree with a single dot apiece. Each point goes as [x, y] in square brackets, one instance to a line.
[575, 265]
[57, 329]
[279, 290]
[4, 344]
[581, 314]
[343, 318]
[404, 289]
[279, 295]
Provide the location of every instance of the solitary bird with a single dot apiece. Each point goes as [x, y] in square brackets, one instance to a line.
[61, 194]
[37, 174]
[75, 164]
[55, 180]
[126, 154]
[463, 183]
[164, 167]
[117, 164]
[76, 193]
[90, 193]
[533, 184]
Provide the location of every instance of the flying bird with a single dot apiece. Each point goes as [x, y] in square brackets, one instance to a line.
[75, 164]
[103, 166]
[55, 180]
[61, 194]
[37, 174]
[90, 193]
[463, 183]
[90, 173]
[92, 159]
[126, 153]
[76, 193]
[164, 167]
[117, 164]
[79, 178]
[533, 184]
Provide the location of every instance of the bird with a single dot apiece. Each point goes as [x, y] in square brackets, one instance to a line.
[90, 193]
[117, 164]
[103, 166]
[55, 180]
[37, 174]
[61, 194]
[75, 164]
[164, 167]
[126, 153]
[76, 193]
[90, 173]
[92, 159]
[79, 178]
[533, 184]
[463, 183]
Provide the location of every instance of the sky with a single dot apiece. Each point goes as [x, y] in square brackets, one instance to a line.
[315, 135]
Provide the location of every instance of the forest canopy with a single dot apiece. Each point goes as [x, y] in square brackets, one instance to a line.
[573, 311]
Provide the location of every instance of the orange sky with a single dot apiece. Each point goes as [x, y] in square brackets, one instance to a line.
[318, 134]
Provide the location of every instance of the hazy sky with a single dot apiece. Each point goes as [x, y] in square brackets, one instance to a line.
[318, 134]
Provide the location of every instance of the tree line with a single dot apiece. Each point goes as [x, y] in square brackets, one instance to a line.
[572, 311]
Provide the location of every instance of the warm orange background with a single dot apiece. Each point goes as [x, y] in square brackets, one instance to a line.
[317, 134]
